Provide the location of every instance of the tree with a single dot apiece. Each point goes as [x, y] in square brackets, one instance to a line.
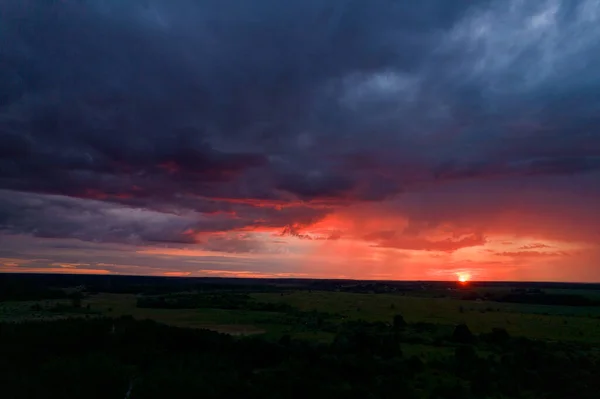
[389, 346]
[462, 334]
[285, 340]
[499, 336]
[76, 298]
[465, 355]
[415, 364]
[399, 322]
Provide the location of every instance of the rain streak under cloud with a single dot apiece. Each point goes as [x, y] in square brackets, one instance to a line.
[367, 139]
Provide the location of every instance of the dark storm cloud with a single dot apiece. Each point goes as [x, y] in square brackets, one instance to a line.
[163, 105]
[54, 216]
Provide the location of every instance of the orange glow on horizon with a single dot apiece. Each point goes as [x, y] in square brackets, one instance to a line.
[356, 243]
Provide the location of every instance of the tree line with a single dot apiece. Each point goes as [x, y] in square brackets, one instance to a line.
[109, 358]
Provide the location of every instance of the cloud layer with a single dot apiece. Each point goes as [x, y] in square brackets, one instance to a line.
[307, 128]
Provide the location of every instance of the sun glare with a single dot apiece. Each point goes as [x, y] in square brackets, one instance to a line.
[463, 277]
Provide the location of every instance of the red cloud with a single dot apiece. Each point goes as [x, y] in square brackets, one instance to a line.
[537, 245]
[424, 244]
[533, 254]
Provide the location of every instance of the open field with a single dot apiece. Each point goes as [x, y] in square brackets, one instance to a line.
[446, 340]
[442, 304]
[555, 323]
[560, 323]
[115, 305]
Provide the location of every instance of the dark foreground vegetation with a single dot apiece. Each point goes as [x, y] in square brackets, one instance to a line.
[117, 358]
[80, 351]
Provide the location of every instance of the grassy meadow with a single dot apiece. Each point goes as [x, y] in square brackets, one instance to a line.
[560, 323]
[443, 340]
[543, 322]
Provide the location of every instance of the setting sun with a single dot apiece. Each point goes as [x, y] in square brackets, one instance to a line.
[463, 277]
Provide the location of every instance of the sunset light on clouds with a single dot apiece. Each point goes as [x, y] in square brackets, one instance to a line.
[439, 140]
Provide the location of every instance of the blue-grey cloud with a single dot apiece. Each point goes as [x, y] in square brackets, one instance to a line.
[186, 107]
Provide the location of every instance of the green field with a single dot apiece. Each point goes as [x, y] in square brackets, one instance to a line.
[560, 323]
[445, 343]
[553, 323]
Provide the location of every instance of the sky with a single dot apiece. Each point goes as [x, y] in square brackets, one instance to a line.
[366, 139]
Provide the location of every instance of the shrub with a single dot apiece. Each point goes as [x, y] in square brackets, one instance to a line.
[463, 335]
